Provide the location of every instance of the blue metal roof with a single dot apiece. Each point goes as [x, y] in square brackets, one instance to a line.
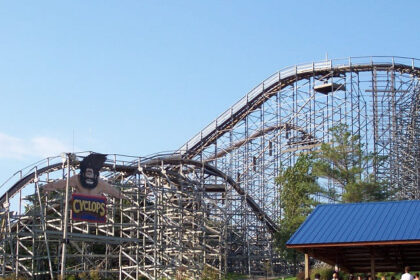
[360, 222]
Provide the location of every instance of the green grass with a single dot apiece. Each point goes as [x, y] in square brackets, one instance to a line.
[287, 278]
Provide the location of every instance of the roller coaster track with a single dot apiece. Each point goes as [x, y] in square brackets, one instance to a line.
[251, 101]
[233, 162]
[308, 139]
[150, 167]
[278, 81]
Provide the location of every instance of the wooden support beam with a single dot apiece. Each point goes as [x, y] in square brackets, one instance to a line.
[372, 264]
[306, 266]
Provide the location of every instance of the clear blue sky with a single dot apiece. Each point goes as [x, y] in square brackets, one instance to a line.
[139, 77]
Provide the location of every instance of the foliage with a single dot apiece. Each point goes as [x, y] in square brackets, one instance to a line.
[267, 268]
[83, 276]
[94, 275]
[209, 273]
[342, 161]
[345, 163]
[233, 276]
[325, 272]
[14, 277]
[287, 278]
[297, 189]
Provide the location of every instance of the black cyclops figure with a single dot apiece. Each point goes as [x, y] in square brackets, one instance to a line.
[89, 170]
[87, 181]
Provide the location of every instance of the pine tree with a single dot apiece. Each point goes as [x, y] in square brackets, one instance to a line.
[298, 188]
[344, 162]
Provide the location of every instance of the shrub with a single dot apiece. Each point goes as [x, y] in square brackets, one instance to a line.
[13, 276]
[326, 272]
[233, 276]
[94, 275]
[209, 273]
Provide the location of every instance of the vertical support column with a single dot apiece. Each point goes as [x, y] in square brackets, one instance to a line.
[120, 245]
[3, 244]
[306, 266]
[246, 182]
[65, 224]
[34, 247]
[17, 233]
[372, 265]
[145, 215]
[375, 119]
[395, 168]
[138, 222]
[155, 228]
[9, 231]
[43, 224]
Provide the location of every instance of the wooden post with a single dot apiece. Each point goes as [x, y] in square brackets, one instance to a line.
[65, 223]
[306, 266]
[372, 265]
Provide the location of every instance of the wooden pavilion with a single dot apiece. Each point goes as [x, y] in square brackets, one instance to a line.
[362, 237]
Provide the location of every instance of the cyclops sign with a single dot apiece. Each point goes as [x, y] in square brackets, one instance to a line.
[88, 208]
[87, 203]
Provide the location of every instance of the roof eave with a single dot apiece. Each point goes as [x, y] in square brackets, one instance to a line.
[353, 244]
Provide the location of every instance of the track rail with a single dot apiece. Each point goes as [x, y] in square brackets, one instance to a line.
[287, 76]
[150, 166]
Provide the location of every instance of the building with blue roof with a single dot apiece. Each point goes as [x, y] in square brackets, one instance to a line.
[363, 237]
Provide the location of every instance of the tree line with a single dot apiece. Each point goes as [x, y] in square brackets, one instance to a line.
[340, 171]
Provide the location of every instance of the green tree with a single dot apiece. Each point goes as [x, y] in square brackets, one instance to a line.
[298, 187]
[345, 163]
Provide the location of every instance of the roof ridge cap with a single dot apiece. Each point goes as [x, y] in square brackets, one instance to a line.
[366, 202]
